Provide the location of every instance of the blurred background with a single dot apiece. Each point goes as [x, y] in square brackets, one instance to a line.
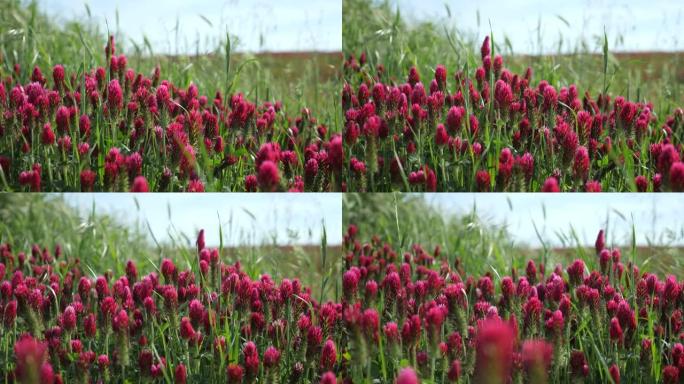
[561, 26]
[285, 235]
[562, 41]
[285, 51]
[504, 230]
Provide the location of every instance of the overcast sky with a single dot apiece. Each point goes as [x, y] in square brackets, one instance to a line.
[645, 24]
[654, 214]
[256, 217]
[286, 25]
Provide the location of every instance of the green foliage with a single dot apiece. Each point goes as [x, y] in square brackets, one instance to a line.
[407, 219]
[101, 242]
[30, 38]
[390, 37]
[482, 245]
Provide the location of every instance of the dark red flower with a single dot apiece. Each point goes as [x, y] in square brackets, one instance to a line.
[677, 177]
[494, 351]
[328, 355]
[180, 374]
[271, 357]
[550, 185]
[235, 373]
[140, 184]
[536, 359]
[614, 373]
[268, 176]
[482, 180]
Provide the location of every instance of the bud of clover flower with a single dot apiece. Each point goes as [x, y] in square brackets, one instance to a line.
[536, 359]
[555, 323]
[614, 373]
[58, 75]
[328, 355]
[90, 325]
[616, 333]
[498, 65]
[251, 357]
[413, 77]
[103, 362]
[200, 241]
[494, 343]
[480, 74]
[600, 243]
[195, 185]
[578, 364]
[87, 177]
[668, 155]
[196, 311]
[485, 50]
[168, 269]
[47, 136]
[676, 177]
[84, 286]
[525, 164]
[271, 357]
[63, 118]
[576, 272]
[550, 185]
[505, 170]
[580, 165]
[114, 96]
[187, 332]
[454, 118]
[268, 176]
[180, 374]
[350, 282]
[328, 378]
[441, 135]
[441, 76]
[31, 357]
[145, 360]
[482, 180]
[454, 372]
[10, 313]
[407, 376]
[503, 95]
[641, 183]
[120, 322]
[604, 259]
[671, 374]
[434, 319]
[69, 318]
[336, 153]
[140, 184]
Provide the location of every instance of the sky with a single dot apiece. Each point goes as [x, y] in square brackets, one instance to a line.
[653, 214]
[286, 25]
[645, 25]
[297, 218]
[256, 217]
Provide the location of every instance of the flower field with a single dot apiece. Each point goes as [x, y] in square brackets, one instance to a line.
[400, 318]
[112, 129]
[488, 129]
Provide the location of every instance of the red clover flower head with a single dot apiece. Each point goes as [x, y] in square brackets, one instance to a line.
[494, 344]
[407, 376]
[271, 357]
[536, 359]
